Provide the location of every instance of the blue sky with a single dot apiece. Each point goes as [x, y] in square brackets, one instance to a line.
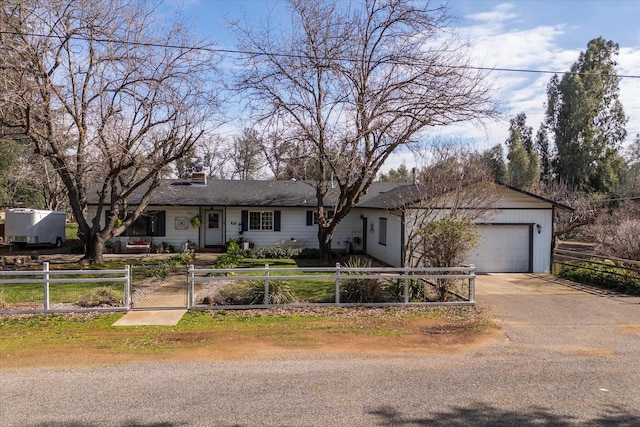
[522, 34]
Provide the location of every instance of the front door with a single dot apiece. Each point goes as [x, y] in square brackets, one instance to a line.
[213, 227]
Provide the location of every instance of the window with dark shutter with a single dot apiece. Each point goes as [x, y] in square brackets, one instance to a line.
[276, 220]
[244, 219]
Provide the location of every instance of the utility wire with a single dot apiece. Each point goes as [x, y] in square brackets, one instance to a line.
[622, 199]
[284, 55]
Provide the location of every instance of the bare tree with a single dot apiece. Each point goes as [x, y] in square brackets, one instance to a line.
[352, 82]
[109, 96]
[616, 231]
[455, 184]
[585, 209]
[248, 154]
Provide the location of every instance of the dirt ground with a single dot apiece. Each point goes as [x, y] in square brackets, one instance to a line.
[407, 332]
[405, 336]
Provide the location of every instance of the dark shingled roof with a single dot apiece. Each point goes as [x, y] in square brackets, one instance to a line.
[381, 195]
[243, 193]
[408, 194]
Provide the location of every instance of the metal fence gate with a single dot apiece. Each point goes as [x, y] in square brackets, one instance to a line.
[158, 287]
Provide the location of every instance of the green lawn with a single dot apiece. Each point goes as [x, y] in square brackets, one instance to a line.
[307, 290]
[71, 231]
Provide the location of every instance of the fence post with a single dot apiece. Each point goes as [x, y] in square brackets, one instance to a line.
[406, 286]
[45, 269]
[192, 287]
[337, 283]
[472, 283]
[127, 286]
[266, 284]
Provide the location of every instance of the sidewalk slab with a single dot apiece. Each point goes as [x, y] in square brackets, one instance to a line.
[151, 318]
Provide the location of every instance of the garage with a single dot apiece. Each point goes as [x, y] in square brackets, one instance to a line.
[503, 248]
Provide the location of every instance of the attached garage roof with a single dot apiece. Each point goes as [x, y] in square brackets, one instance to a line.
[411, 194]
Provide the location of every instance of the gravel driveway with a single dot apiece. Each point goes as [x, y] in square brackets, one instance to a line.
[568, 357]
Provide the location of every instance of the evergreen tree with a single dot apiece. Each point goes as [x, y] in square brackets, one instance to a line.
[493, 160]
[586, 119]
[522, 170]
[400, 175]
[544, 152]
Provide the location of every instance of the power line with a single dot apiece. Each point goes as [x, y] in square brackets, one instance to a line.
[284, 55]
[622, 199]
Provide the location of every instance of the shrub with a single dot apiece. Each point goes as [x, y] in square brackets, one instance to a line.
[308, 253]
[231, 258]
[165, 248]
[446, 243]
[159, 272]
[181, 259]
[416, 290]
[102, 296]
[272, 253]
[232, 246]
[355, 290]
[253, 293]
[601, 276]
[227, 260]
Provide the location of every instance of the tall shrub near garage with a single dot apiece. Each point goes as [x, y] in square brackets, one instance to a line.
[446, 243]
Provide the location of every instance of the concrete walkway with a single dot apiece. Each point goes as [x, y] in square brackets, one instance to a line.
[165, 306]
[151, 318]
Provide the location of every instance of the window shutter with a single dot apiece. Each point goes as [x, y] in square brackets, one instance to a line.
[309, 217]
[162, 220]
[276, 220]
[244, 220]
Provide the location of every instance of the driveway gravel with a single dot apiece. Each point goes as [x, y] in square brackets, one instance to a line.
[569, 356]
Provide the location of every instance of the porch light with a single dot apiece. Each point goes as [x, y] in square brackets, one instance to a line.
[539, 228]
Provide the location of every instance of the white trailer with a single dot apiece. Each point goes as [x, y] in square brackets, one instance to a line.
[34, 226]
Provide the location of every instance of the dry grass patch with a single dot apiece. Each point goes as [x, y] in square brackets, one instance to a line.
[88, 339]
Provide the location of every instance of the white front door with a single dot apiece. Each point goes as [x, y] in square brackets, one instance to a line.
[213, 227]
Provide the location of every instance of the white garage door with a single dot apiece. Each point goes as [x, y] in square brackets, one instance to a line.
[502, 249]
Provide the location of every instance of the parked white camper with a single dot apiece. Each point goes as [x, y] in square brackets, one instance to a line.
[33, 226]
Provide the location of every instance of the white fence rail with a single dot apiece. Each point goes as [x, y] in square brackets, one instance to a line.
[16, 296]
[429, 277]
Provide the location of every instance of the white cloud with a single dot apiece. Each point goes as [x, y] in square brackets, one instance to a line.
[496, 44]
[629, 64]
[499, 13]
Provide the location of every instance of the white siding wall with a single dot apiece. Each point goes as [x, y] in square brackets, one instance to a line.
[172, 235]
[178, 237]
[391, 253]
[516, 208]
[538, 213]
[293, 223]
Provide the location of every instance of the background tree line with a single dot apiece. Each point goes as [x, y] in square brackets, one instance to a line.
[104, 96]
[575, 157]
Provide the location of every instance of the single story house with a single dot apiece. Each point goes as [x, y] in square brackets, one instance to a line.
[517, 231]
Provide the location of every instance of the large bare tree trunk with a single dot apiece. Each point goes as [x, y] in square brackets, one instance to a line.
[325, 238]
[109, 96]
[354, 82]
